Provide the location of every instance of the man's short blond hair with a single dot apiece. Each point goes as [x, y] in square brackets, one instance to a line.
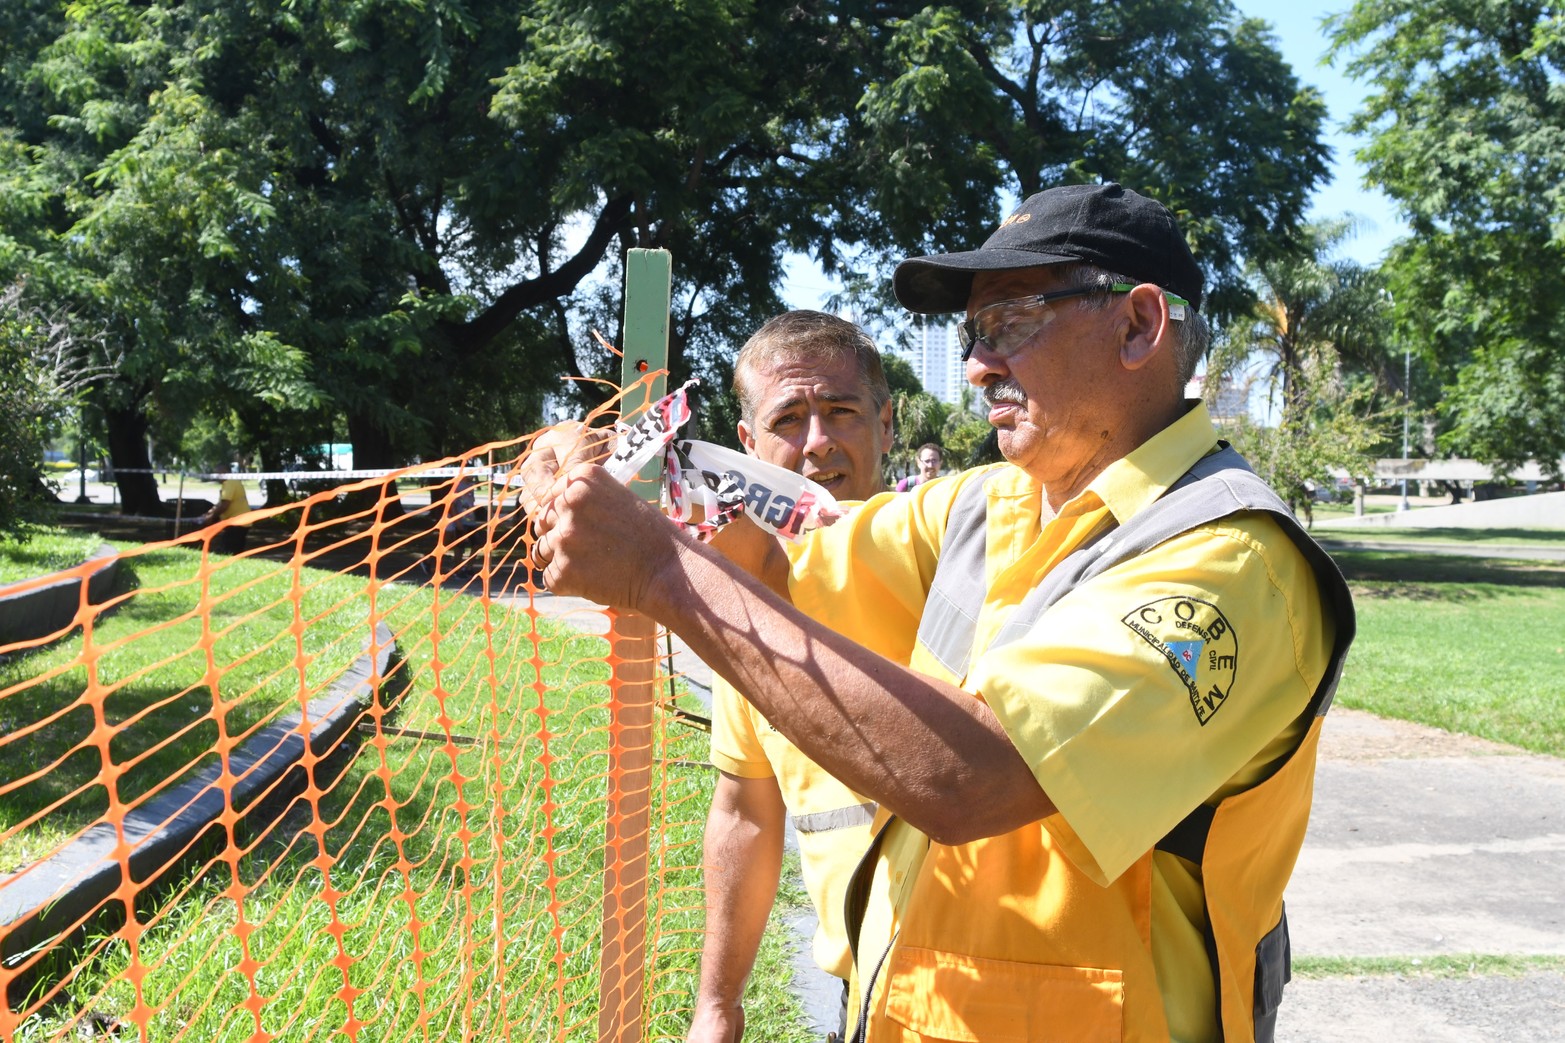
[814, 336]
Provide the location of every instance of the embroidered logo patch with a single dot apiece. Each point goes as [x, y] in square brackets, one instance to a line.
[1199, 644]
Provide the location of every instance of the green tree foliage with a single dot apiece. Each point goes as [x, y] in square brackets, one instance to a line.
[404, 218]
[917, 417]
[393, 209]
[140, 210]
[1315, 344]
[1178, 98]
[900, 376]
[967, 438]
[1466, 121]
[920, 417]
[23, 431]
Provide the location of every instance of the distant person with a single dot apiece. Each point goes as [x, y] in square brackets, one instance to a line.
[231, 503]
[463, 522]
[929, 460]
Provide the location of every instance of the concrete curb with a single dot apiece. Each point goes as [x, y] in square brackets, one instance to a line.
[47, 613]
[52, 903]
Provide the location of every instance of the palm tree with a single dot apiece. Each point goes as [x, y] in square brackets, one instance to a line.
[1316, 342]
[916, 417]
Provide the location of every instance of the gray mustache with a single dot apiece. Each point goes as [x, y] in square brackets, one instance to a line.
[1005, 391]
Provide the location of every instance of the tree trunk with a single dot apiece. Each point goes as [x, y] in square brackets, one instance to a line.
[372, 448]
[127, 436]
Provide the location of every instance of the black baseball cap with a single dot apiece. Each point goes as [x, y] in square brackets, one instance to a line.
[1107, 226]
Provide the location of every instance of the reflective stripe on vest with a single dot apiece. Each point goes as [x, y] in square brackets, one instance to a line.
[957, 592]
[836, 818]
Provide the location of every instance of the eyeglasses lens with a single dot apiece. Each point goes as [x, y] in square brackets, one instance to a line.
[1004, 327]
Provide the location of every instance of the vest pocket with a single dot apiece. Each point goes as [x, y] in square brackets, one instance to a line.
[950, 996]
[1273, 970]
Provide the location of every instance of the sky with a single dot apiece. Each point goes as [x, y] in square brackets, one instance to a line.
[1296, 24]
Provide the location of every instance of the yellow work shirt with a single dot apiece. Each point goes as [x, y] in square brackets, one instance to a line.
[832, 821]
[233, 492]
[1094, 704]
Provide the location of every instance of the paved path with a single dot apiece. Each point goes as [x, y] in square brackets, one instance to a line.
[591, 618]
[1421, 844]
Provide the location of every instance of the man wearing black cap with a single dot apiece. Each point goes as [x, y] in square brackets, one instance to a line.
[1084, 686]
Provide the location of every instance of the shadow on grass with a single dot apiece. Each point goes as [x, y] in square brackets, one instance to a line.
[391, 870]
[1430, 577]
[62, 741]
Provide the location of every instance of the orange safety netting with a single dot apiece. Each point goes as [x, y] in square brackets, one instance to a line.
[362, 779]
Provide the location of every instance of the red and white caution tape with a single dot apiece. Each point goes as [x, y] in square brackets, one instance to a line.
[706, 486]
[641, 441]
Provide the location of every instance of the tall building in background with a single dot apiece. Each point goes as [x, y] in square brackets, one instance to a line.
[1231, 401]
[936, 360]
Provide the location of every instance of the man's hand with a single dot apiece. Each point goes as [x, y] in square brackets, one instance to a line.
[554, 451]
[593, 537]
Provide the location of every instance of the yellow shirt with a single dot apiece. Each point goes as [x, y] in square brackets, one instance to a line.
[832, 821]
[1093, 704]
[234, 492]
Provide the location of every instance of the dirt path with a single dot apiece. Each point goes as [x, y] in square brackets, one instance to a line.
[1353, 735]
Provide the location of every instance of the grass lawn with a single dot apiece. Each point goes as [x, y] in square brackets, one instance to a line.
[440, 889]
[1468, 645]
[1447, 965]
[1324, 511]
[46, 549]
[150, 661]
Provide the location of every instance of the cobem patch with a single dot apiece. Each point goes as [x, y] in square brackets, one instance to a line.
[1199, 644]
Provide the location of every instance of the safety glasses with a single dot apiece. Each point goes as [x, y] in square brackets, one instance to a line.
[1005, 326]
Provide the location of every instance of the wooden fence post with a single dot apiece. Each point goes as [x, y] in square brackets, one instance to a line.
[633, 688]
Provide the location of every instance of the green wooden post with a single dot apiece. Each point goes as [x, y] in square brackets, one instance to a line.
[633, 689]
[648, 281]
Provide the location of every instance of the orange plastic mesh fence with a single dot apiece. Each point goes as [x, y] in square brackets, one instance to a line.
[363, 779]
